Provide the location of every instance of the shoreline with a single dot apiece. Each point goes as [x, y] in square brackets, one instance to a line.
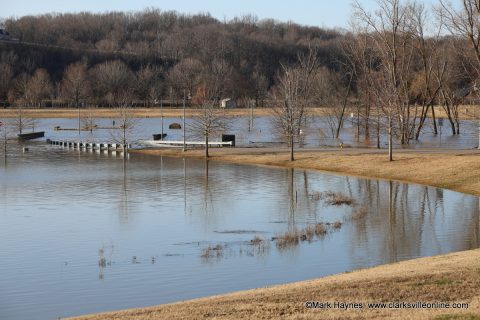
[454, 277]
[456, 170]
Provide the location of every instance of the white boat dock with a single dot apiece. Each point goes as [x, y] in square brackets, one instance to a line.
[180, 143]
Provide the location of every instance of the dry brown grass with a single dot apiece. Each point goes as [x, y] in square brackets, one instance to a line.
[449, 278]
[137, 112]
[465, 112]
[455, 170]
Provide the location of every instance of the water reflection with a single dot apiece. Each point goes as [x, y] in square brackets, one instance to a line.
[60, 206]
[316, 134]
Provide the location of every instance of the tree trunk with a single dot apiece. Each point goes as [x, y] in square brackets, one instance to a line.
[434, 121]
[291, 146]
[344, 106]
[206, 145]
[390, 146]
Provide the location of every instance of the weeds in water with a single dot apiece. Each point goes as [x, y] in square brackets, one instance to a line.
[211, 252]
[337, 225]
[359, 213]
[333, 198]
[293, 237]
[320, 229]
[288, 239]
[256, 241]
[260, 246]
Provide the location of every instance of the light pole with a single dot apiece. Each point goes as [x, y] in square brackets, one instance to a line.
[184, 143]
[161, 114]
[4, 140]
[78, 107]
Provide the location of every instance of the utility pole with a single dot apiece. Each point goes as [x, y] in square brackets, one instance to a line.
[161, 114]
[78, 107]
[184, 143]
[4, 140]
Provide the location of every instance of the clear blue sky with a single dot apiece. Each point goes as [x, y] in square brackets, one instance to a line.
[323, 13]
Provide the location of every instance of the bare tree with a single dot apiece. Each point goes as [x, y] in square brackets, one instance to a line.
[75, 86]
[186, 75]
[293, 94]
[112, 80]
[125, 119]
[19, 96]
[361, 63]
[148, 87]
[453, 82]
[464, 22]
[212, 119]
[5, 130]
[390, 29]
[425, 85]
[330, 94]
[7, 61]
[261, 88]
[39, 88]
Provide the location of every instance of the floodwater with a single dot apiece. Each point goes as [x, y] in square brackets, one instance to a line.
[262, 133]
[84, 232]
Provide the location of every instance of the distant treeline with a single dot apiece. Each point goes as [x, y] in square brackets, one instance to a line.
[398, 61]
[247, 51]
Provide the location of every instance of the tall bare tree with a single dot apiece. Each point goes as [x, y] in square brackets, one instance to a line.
[125, 119]
[7, 61]
[424, 84]
[39, 88]
[112, 80]
[293, 94]
[211, 120]
[19, 97]
[75, 86]
[186, 75]
[389, 28]
[464, 22]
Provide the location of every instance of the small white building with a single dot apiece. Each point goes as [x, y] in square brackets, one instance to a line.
[228, 103]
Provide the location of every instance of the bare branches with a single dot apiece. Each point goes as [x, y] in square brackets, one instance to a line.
[294, 92]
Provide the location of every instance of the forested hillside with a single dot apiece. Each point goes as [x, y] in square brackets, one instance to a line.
[248, 51]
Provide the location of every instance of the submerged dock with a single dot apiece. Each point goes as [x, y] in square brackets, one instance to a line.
[88, 145]
[180, 143]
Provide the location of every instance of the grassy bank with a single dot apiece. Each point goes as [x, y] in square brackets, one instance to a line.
[455, 170]
[449, 278]
[465, 112]
[136, 112]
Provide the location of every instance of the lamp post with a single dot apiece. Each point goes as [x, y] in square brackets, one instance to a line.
[4, 139]
[184, 142]
[78, 107]
[161, 114]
